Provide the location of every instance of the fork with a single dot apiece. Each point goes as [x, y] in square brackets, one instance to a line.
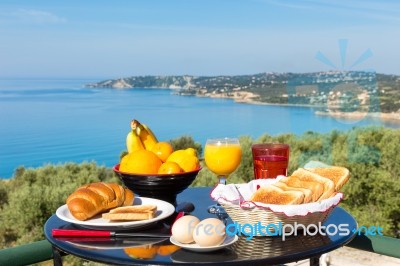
[241, 199]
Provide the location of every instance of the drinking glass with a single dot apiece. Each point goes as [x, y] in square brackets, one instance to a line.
[222, 156]
[270, 159]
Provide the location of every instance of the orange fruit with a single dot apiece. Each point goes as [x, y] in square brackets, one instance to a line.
[165, 250]
[140, 162]
[186, 159]
[162, 150]
[170, 168]
[146, 252]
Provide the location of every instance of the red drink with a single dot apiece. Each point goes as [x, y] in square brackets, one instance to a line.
[270, 159]
[270, 166]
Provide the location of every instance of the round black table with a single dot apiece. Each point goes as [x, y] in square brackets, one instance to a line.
[257, 251]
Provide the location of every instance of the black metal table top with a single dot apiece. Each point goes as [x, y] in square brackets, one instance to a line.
[261, 250]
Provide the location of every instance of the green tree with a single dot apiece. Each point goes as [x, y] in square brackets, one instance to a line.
[185, 142]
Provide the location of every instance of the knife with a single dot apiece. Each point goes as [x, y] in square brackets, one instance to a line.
[97, 233]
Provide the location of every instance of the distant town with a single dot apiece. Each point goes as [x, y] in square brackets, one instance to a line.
[334, 92]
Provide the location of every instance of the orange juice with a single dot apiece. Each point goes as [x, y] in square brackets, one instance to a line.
[222, 158]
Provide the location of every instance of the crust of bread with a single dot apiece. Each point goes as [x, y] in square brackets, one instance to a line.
[316, 188]
[94, 198]
[104, 191]
[128, 216]
[307, 192]
[131, 213]
[119, 194]
[86, 194]
[275, 195]
[329, 186]
[82, 209]
[135, 209]
[83, 203]
[129, 197]
[339, 175]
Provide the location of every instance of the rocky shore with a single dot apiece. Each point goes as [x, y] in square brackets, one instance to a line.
[361, 115]
[252, 98]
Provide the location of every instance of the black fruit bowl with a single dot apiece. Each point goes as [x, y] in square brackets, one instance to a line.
[163, 187]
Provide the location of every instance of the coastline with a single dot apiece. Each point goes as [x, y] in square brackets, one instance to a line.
[390, 117]
[248, 98]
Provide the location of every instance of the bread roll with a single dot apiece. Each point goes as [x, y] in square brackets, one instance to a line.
[119, 193]
[274, 195]
[129, 197]
[339, 175]
[84, 203]
[94, 198]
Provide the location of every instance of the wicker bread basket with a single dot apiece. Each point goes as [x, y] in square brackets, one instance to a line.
[267, 217]
[243, 211]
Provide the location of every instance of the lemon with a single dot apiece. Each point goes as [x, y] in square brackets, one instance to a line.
[191, 151]
[186, 159]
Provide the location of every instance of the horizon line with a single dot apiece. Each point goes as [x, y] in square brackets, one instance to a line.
[193, 75]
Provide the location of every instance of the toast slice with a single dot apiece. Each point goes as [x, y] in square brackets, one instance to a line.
[131, 213]
[128, 216]
[339, 175]
[274, 195]
[329, 186]
[307, 192]
[135, 209]
[316, 188]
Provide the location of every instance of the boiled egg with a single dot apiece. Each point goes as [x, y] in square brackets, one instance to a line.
[209, 232]
[182, 229]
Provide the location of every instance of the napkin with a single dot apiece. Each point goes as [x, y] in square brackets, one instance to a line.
[240, 194]
[316, 164]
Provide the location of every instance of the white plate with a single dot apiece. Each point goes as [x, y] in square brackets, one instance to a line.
[229, 240]
[164, 210]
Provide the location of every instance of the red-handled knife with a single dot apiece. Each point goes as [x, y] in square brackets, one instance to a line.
[96, 233]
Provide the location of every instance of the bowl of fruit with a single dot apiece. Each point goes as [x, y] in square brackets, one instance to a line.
[152, 168]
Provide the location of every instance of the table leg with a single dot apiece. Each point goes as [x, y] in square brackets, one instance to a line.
[314, 261]
[57, 260]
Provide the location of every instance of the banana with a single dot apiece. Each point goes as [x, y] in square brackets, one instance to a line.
[133, 141]
[146, 135]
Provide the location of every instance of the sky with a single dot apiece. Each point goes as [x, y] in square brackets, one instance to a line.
[111, 39]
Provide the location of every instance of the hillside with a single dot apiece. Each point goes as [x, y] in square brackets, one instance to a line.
[338, 91]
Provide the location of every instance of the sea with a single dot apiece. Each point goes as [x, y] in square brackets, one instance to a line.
[55, 121]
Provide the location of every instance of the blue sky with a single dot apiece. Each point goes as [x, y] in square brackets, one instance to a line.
[109, 39]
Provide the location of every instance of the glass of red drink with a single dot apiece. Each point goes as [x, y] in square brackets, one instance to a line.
[270, 159]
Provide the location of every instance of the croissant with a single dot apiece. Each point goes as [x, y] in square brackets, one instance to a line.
[94, 198]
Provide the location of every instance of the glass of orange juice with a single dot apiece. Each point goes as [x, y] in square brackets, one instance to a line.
[222, 156]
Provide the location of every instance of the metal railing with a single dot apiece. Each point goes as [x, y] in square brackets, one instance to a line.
[27, 254]
[42, 250]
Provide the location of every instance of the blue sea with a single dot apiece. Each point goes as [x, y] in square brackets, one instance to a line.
[56, 121]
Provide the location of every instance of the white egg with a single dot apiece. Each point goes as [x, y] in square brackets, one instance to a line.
[209, 232]
[182, 229]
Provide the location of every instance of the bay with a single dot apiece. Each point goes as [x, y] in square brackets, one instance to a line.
[58, 120]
